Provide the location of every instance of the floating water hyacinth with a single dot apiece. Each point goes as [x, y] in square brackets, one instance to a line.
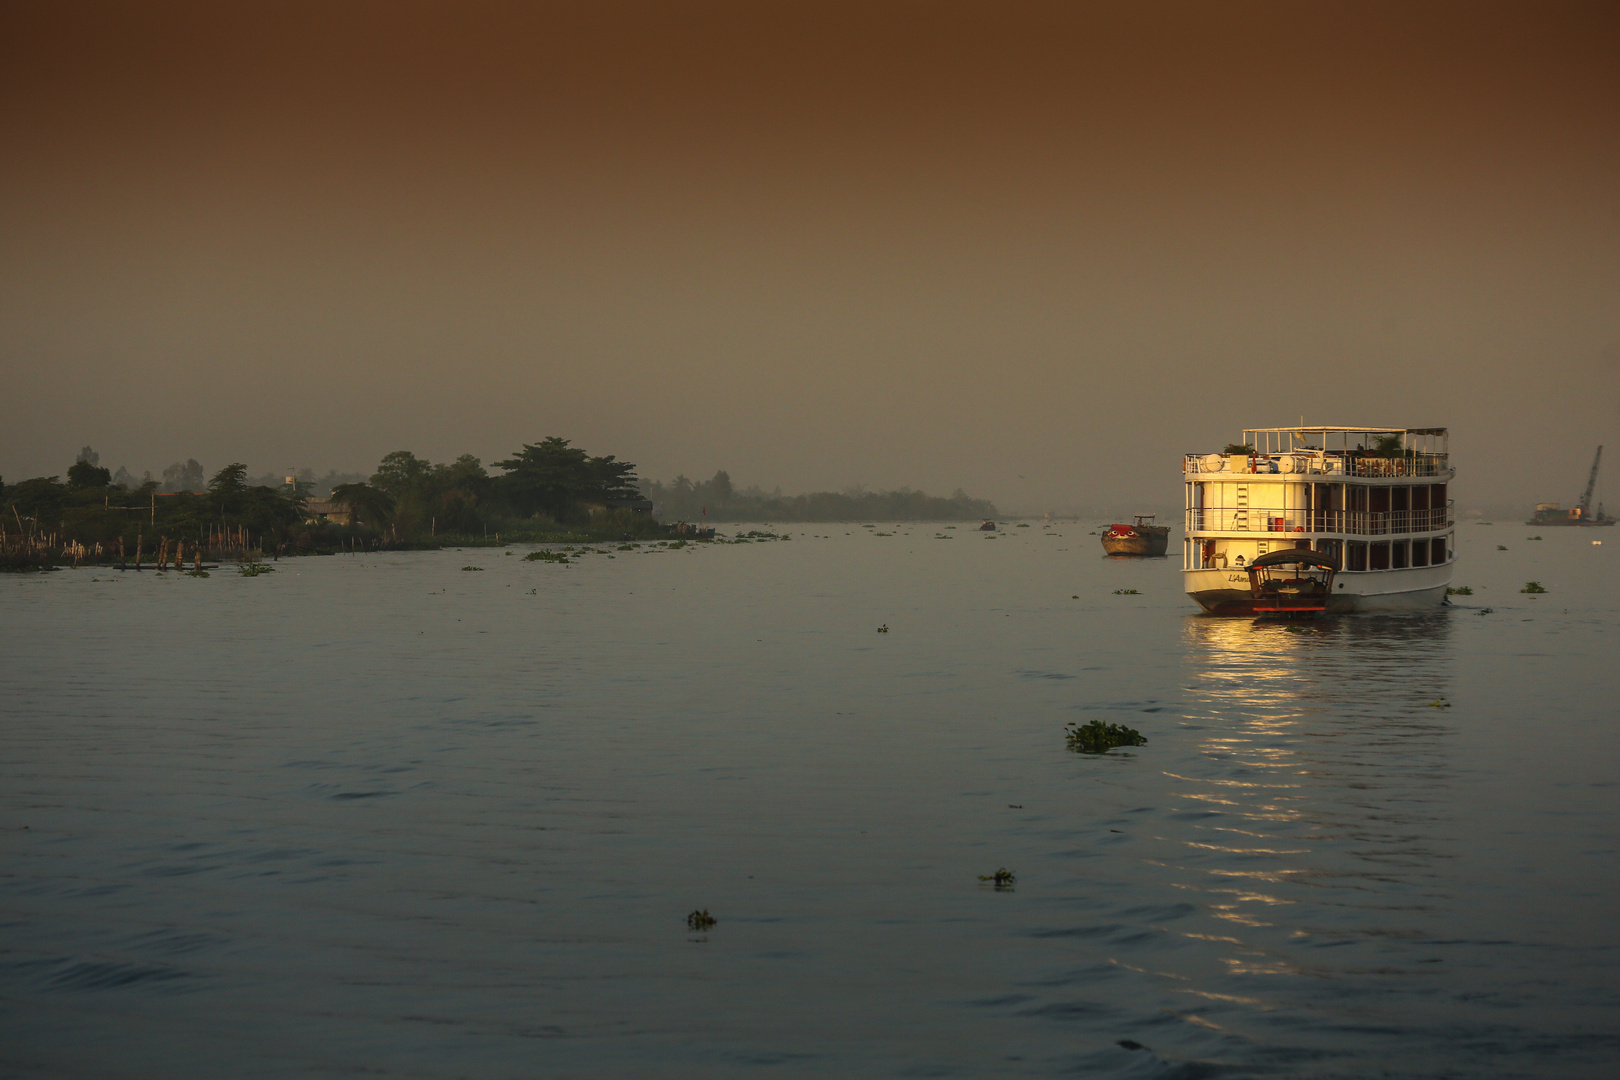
[1003, 878]
[700, 920]
[545, 556]
[1127, 592]
[1532, 587]
[478, 568]
[1461, 590]
[254, 569]
[1098, 737]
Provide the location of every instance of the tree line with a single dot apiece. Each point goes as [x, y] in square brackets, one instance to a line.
[408, 500]
[716, 500]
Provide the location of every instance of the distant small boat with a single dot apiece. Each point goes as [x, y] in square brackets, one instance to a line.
[988, 526]
[1143, 538]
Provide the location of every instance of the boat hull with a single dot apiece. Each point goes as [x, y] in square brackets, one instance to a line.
[1556, 523]
[1226, 592]
[1146, 541]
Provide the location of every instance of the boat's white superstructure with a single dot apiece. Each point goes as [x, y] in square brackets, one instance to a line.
[1375, 499]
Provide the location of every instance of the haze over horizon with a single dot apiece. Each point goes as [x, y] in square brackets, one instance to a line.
[1034, 250]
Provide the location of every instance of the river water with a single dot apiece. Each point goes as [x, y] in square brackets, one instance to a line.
[381, 815]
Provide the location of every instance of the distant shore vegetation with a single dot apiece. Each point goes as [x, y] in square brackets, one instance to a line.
[546, 492]
[716, 500]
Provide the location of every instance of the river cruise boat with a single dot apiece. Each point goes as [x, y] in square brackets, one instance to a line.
[1372, 501]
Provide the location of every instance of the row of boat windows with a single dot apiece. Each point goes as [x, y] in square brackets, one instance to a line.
[1353, 497]
[1352, 555]
[1394, 554]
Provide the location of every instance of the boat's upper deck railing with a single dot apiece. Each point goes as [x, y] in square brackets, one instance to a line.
[1387, 442]
[1320, 463]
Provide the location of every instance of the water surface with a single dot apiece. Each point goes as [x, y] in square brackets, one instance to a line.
[379, 814]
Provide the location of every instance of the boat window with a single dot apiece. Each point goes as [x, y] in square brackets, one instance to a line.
[1378, 500]
[1355, 556]
[1379, 556]
[1420, 553]
[1399, 552]
[1437, 550]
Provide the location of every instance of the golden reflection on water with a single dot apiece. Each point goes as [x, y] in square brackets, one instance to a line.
[1314, 791]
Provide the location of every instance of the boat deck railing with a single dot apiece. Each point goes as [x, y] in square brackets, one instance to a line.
[1348, 522]
[1348, 463]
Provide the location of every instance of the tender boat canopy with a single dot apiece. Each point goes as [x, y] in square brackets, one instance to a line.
[1294, 557]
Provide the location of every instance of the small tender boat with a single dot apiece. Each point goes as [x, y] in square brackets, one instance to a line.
[1143, 538]
[988, 526]
[1294, 581]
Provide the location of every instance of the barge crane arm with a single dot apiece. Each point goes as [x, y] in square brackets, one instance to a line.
[1591, 483]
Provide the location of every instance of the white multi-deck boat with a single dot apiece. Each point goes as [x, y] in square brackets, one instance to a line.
[1371, 499]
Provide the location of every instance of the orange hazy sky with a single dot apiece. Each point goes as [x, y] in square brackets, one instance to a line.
[1034, 250]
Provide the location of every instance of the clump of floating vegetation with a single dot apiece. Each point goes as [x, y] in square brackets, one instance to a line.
[196, 573]
[1098, 737]
[254, 569]
[884, 629]
[1461, 590]
[1127, 592]
[1486, 610]
[700, 920]
[477, 568]
[545, 556]
[1439, 703]
[1501, 547]
[1532, 538]
[1533, 587]
[1002, 879]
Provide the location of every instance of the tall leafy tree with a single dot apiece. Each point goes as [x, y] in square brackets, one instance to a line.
[230, 480]
[368, 505]
[402, 474]
[551, 477]
[87, 474]
[183, 476]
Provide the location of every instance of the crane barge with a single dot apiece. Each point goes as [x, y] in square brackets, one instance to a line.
[1581, 513]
